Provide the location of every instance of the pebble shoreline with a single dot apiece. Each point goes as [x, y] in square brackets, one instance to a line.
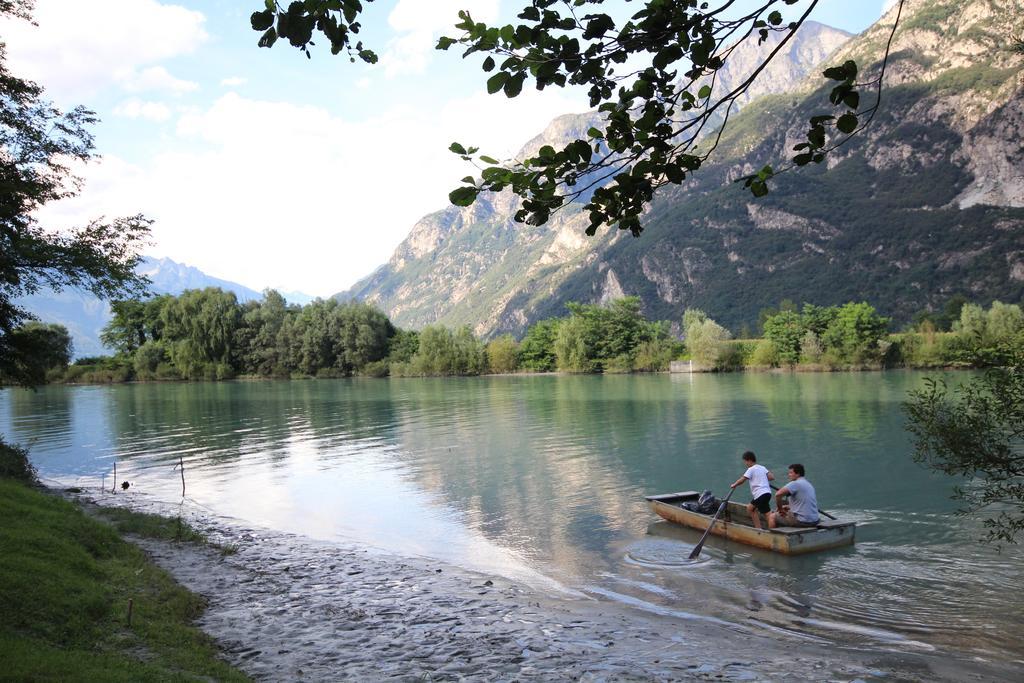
[289, 608]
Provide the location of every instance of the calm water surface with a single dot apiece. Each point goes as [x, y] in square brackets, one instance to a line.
[542, 479]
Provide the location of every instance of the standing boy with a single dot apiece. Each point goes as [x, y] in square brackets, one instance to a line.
[760, 489]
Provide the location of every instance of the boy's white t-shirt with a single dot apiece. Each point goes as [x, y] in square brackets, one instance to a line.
[757, 475]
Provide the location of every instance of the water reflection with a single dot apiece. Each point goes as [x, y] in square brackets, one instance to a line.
[536, 477]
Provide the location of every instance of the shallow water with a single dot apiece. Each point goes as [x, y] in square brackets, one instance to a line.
[541, 479]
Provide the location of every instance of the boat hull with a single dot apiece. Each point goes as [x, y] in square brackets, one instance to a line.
[734, 524]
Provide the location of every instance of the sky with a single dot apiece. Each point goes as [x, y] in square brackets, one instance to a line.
[267, 168]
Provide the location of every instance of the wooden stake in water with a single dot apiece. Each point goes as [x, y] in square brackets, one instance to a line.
[113, 489]
[181, 463]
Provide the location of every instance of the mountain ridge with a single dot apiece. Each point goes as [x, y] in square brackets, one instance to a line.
[935, 158]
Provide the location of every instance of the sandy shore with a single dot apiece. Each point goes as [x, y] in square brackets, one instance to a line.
[288, 608]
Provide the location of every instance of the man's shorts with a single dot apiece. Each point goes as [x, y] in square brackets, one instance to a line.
[791, 520]
[763, 503]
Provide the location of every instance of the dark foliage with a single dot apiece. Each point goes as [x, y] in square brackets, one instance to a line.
[976, 431]
[38, 143]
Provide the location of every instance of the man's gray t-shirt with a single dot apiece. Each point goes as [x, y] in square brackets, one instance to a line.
[803, 504]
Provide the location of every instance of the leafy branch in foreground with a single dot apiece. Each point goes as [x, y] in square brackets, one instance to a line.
[335, 19]
[653, 79]
[977, 431]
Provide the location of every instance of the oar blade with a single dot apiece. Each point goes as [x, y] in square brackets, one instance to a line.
[700, 546]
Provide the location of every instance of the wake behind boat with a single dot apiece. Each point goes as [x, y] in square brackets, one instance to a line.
[736, 525]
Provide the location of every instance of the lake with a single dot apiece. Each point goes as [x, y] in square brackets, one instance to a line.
[541, 479]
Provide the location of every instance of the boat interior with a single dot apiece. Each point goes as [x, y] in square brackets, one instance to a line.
[736, 513]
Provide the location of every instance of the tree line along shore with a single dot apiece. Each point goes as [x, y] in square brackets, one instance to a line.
[208, 335]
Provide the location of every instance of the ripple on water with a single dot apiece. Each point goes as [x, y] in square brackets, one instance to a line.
[667, 554]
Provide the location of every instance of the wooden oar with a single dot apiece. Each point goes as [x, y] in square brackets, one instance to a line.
[820, 511]
[700, 545]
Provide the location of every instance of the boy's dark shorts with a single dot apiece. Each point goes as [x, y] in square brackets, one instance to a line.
[763, 503]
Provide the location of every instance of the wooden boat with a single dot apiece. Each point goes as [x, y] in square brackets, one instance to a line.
[736, 525]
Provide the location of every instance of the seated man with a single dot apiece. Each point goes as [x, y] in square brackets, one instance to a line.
[803, 503]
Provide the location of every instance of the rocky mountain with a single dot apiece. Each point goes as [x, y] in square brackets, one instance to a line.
[85, 316]
[925, 204]
[171, 277]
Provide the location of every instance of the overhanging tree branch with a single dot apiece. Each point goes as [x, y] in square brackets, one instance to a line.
[655, 117]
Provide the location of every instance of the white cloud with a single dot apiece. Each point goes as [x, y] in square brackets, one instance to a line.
[139, 109]
[153, 78]
[419, 24]
[234, 81]
[408, 55]
[292, 194]
[363, 83]
[439, 15]
[80, 47]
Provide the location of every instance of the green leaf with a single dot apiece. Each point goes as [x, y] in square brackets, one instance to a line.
[816, 136]
[530, 14]
[598, 26]
[489, 63]
[488, 160]
[852, 99]
[847, 123]
[675, 174]
[496, 82]
[268, 39]
[457, 148]
[514, 85]
[667, 55]
[704, 92]
[463, 196]
[836, 73]
[261, 21]
[444, 42]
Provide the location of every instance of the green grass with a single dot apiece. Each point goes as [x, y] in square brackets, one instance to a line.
[160, 527]
[65, 583]
[152, 526]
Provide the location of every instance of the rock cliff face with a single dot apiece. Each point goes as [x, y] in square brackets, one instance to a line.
[925, 204]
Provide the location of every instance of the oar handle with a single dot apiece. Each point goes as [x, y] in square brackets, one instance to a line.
[820, 511]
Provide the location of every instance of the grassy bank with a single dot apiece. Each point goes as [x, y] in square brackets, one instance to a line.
[65, 585]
